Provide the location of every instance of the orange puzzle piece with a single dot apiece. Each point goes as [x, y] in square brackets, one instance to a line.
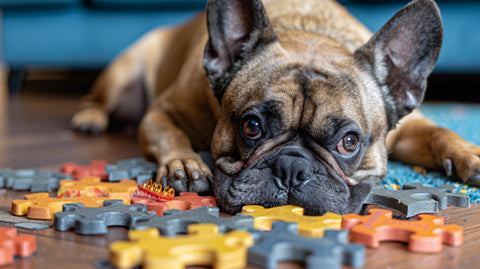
[41, 206]
[94, 187]
[312, 226]
[424, 235]
[12, 244]
[96, 168]
[186, 201]
[202, 246]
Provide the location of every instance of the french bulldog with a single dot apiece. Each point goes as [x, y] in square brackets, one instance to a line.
[297, 102]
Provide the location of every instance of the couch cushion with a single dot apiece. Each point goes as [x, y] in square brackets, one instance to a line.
[163, 4]
[36, 3]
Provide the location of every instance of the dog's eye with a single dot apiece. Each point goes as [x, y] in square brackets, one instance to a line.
[252, 129]
[347, 145]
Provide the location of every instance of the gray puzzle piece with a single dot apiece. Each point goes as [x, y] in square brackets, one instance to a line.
[23, 222]
[34, 180]
[95, 220]
[415, 198]
[134, 168]
[284, 244]
[175, 221]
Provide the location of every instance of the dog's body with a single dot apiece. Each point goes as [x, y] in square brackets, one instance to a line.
[295, 106]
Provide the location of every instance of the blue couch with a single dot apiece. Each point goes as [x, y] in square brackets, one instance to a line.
[89, 33]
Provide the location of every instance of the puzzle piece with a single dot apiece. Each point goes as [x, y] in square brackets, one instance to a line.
[202, 246]
[312, 226]
[93, 187]
[12, 244]
[185, 201]
[134, 168]
[415, 198]
[154, 191]
[41, 206]
[90, 221]
[95, 169]
[284, 244]
[176, 222]
[424, 235]
[34, 180]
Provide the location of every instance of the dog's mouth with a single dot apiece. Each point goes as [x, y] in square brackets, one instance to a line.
[318, 189]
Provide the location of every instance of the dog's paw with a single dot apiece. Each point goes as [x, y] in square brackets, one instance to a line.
[90, 120]
[189, 174]
[458, 157]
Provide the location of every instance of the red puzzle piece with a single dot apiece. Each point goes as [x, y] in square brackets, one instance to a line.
[95, 169]
[424, 235]
[186, 201]
[11, 245]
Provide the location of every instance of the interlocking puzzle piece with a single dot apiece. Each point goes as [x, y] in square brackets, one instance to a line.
[22, 222]
[176, 221]
[12, 244]
[93, 187]
[312, 226]
[90, 221]
[34, 180]
[202, 246]
[95, 169]
[185, 201]
[424, 235]
[134, 168]
[284, 244]
[41, 206]
[415, 198]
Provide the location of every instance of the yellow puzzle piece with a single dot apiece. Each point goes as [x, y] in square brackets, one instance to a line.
[94, 187]
[41, 206]
[202, 246]
[312, 226]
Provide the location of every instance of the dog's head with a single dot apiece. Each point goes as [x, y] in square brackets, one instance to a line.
[304, 119]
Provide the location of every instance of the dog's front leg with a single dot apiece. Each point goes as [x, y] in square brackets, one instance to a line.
[180, 166]
[418, 141]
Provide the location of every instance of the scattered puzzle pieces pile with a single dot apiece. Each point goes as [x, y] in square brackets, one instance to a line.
[42, 206]
[312, 226]
[95, 169]
[185, 201]
[34, 180]
[94, 187]
[425, 235]
[202, 246]
[12, 244]
[415, 198]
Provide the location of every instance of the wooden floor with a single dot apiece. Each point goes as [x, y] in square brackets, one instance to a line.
[34, 133]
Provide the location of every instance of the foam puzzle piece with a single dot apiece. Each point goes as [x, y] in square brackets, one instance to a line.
[22, 222]
[34, 180]
[154, 191]
[176, 221]
[424, 235]
[96, 168]
[185, 201]
[94, 187]
[415, 198]
[93, 221]
[312, 226]
[12, 244]
[202, 246]
[284, 244]
[134, 168]
[42, 206]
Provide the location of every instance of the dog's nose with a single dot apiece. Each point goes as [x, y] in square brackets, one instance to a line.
[292, 167]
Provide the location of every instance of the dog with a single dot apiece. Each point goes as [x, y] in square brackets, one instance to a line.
[297, 102]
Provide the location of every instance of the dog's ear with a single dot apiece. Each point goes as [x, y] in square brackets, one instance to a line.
[236, 28]
[402, 54]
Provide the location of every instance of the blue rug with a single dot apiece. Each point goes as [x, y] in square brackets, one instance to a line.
[461, 118]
